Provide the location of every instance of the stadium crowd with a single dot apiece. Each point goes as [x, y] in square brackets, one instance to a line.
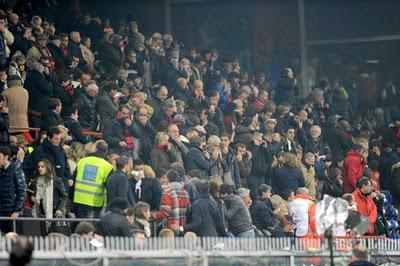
[136, 129]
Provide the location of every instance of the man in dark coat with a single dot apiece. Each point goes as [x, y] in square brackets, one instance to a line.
[262, 212]
[12, 189]
[4, 124]
[260, 170]
[52, 151]
[205, 219]
[87, 104]
[335, 138]
[117, 183]
[74, 127]
[197, 158]
[146, 132]
[120, 131]
[114, 222]
[52, 118]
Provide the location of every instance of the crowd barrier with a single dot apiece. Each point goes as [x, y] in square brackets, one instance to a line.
[59, 249]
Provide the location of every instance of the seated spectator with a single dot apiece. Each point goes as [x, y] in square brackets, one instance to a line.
[142, 216]
[85, 230]
[52, 118]
[74, 126]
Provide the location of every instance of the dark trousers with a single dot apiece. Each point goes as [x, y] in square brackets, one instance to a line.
[85, 211]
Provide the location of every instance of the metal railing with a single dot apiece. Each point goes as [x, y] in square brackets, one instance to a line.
[25, 219]
[190, 251]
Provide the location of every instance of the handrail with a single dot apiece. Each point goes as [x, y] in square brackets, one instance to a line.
[35, 129]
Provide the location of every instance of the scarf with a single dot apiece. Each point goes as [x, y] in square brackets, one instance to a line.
[44, 197]
[138, 189]
[70, 89]
[146, 226]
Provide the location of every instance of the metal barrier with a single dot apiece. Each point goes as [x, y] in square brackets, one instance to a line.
[21, 219]
[204, 251]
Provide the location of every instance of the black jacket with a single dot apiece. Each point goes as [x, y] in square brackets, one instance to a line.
[51, 119]
[118, 186]
[262, 214]
[336, 140]
[75, 129]
[205, 219]
[40, 89]
[195, 159]
[262, 160]
[55, 154]
[150, 193]
[237, 214]
[147, 135]
[114, 132]
[4, 133]
[287, 178]
[12, 189]
[87, 111]
[114, 223]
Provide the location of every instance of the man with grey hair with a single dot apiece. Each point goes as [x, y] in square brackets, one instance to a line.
[164, 116]
[303, 211]
[307, 167]
[87, 106]
[74, 46]
[218, 167]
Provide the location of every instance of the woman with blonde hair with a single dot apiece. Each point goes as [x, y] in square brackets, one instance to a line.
[289, 176]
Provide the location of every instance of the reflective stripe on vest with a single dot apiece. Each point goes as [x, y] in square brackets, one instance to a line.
[92, 173]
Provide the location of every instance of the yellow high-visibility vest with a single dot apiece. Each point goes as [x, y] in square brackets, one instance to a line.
[91, 177]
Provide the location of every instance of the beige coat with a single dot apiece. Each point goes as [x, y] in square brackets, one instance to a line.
[309, 180]
[16, 99]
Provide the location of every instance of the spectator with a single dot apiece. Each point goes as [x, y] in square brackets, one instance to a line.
[49, 195]
[365, 203]
[51, 150]
[197, 158]
[303, 211]
[120, 132]
[162, 154]
[289, 176]
[85, 230]
[174, 202]
[91, 176]
[307, 167]
[52, 118]
[142, 216]
[4, 123]
[146, 132]
[114, 222]
[245, 163]
[16, 100]
[13, 189]
[205, 219]
[353, 168]
[228, 155]
[74, 126]
[360, 257]
[237, 215]
[88, 110]
[262, 159]
[108, 102]
[117, 184]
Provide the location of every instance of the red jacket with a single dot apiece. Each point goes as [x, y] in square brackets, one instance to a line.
[366, 207]
[353, 169]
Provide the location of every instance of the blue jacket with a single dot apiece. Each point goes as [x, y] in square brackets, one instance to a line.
[195, 160]
[12, 189]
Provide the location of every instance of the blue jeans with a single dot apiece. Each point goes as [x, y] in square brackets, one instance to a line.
[247, 234]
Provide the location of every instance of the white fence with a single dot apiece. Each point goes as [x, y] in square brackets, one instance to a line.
[200, 251]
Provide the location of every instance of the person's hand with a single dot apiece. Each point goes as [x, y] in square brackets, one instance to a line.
[206, 155]
[239, 157]
[216, 153]
[174, 227]
[123, 144]
[128, 121]
[46, 71]
[70, 182]
[169, 146]
[59, 213]
[15, 215]
[225, 150]
[33, 198]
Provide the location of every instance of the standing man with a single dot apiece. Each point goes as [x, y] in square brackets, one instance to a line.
[365, 203]
[12, 189]
[117, 184]
[91, 175]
